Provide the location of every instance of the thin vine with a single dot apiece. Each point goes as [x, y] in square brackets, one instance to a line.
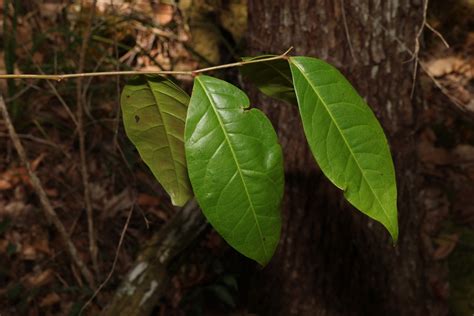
[139, 72]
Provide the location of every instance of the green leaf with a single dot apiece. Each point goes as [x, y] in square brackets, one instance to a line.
[154, 113]
[235, 166]
[346, 139]
[272, 78]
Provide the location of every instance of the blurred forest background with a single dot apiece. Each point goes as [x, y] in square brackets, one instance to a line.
[73, 125]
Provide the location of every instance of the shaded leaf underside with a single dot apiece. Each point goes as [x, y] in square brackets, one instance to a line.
[154, 113]
[272, 78]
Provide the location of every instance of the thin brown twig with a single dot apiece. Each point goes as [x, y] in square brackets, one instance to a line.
[43, 198]
[37, 140]
[417, 47]
[117, 83]
[63, 103]
[112, 269]
[346, 30]
[414, 56]
[87, 108]
[443, 90]
[20, 93]
[96, 67]
[81, 102]
[417, 43]
[435, 31]
[53, 88]
[405, 48]
[137, 72]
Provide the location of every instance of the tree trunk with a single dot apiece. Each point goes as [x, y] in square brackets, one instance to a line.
[332, 260]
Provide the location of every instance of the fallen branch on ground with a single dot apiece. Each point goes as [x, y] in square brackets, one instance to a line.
[149, 276]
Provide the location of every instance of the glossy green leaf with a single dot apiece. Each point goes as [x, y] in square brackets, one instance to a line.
[235, 166]
[346, 139]
[154, 114]
[272, 78]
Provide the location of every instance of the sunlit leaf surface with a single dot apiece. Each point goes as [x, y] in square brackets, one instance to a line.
[346, 139]
[235, 166]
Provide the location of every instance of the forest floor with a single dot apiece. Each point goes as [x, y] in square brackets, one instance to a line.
[37, 276]
[445, 146]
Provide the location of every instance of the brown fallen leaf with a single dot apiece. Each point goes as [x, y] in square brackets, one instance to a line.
[28, 253]
[50, 299]
[10, 178]
[444, 66]
[164, 13]
[42, 245]
[51, 10]
[40, 279]
[13, 208]
[5, 185]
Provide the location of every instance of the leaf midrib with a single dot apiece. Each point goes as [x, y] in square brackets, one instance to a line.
[221, 124]
[167, 140]
[347, 144]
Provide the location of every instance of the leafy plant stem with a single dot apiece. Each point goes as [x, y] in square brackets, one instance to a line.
[137, 72]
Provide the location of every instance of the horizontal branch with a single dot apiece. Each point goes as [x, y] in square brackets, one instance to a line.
[138, 72]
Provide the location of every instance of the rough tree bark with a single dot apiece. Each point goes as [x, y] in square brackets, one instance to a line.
[332, 260]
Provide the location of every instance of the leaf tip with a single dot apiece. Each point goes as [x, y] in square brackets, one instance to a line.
[263, 262]
[392, 228]
[179, 200]
[394, 234]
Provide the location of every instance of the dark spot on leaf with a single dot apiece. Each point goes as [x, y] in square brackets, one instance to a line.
[264, 239]
[137, 118]
[128, 95]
